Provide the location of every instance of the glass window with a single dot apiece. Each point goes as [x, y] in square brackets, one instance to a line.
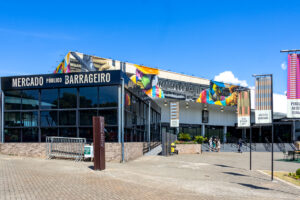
[30, 119]
[67, 118]
[67, 132]
[108, 96]
[110, 116]
[86, 133]
[30, 99]
[48, 132]
[86, 117]
[12, 135]
[88, 97]
[12, 119]
[30, 135]
[49, 98]
[68, 98]
[12, 100]
[111, 134]
[49, 118]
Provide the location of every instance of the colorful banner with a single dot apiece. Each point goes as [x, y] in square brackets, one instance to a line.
[219, 94]
[263, 100]
[293, 89]
[243, 109]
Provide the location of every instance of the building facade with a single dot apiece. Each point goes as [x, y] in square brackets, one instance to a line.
[37, 106]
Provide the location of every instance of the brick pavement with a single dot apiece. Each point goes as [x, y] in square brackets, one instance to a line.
[207, 176]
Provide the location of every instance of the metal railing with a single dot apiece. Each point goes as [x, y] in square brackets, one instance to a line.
[65, 147]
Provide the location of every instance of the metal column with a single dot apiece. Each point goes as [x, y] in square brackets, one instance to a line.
[2, 114]
[203, 130]
[119, 114]
[122, 119]
[224, 134]
[149, 124]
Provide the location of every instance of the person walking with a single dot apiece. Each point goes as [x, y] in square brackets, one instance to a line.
[219, 145]
[240, 144]
[214, 144]
[210, 144]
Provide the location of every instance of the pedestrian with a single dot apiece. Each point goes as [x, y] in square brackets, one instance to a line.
[214, 144]
[210, 143]
[219, 145]
[240, 144]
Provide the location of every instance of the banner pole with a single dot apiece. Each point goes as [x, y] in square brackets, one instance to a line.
[272, 166]
[250, 147]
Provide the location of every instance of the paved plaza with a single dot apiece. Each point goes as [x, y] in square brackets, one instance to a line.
[207, 176]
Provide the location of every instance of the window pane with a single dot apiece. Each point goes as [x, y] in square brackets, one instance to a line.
[30, 119]
[30, 135]
[88, 97]
[48, 132]
[30, 99]
[108, 96]
[68, 98]
[67, 132]
[49, 98]
[12, 135]
[12, 119]
[110, 116]
[49, 118]
[86, 133]
[12, 100]
[67, 118]
[86, 116]
[111, 134]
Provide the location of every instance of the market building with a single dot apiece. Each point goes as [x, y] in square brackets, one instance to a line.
[63, 103]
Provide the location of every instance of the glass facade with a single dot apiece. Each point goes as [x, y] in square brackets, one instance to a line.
[32, 115]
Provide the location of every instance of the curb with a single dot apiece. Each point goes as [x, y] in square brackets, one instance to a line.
[279, 179]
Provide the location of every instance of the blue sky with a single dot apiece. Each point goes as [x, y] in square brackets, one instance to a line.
[201, 38]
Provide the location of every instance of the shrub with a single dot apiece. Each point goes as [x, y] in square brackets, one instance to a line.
[298, 172]
[184, 137]
[199, 139]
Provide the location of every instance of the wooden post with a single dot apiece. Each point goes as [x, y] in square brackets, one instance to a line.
[99, 143]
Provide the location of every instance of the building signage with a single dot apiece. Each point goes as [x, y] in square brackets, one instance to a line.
[293, 90]
[243, 109]
[61, 80]
[174, 114]
[263, 100]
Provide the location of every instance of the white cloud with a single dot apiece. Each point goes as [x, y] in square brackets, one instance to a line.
[228, 77]
[283, 66]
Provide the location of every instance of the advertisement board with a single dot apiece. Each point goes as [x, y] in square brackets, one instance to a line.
[174, 114]
[293, 86]
[243, 109]
[263, 100]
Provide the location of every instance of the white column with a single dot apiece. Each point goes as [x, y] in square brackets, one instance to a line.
[224, 134]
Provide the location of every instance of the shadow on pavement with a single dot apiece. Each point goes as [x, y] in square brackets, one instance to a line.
[234, 174]
[223, 166]
[254, 186]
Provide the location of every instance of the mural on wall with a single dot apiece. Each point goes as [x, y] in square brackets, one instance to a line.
[64, 65]
[78, 62]
[219, 94]
[147, 79]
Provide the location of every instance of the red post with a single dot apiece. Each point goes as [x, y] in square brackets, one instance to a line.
[99, 143]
